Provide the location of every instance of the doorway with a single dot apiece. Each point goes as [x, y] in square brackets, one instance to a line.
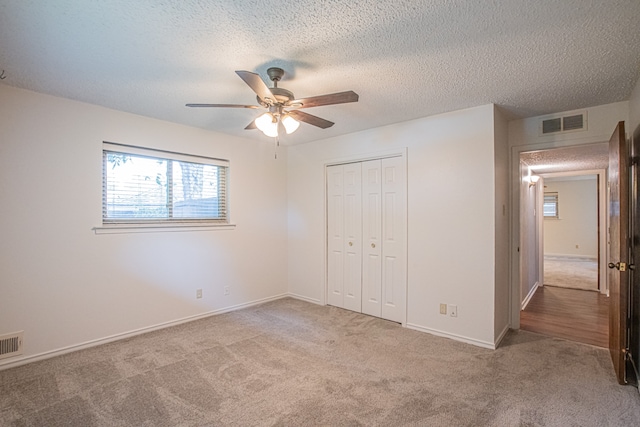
[563, 241]
[570, 231]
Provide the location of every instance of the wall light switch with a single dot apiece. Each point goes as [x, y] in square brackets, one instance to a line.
[199, 293]
[443, 308]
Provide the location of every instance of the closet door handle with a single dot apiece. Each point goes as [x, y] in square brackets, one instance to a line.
[373, 245]
[350, 243]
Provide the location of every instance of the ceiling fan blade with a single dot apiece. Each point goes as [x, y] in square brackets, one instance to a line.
[251, 125]
[312, 120]
[258, 86]
[333, 98]
[222, 105]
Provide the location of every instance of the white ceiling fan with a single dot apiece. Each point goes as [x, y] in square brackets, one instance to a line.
[283, 108]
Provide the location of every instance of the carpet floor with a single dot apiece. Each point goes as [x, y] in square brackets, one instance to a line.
[571, 273]
[291, 363]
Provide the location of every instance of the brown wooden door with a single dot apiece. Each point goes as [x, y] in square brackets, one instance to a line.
[619, 249]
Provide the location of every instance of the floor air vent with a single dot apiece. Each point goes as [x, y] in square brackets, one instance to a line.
[11, 345]
[571, 123]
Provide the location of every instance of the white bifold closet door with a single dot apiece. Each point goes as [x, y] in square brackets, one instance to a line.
[366, 206]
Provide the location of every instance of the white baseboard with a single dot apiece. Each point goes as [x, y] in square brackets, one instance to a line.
[570, 257]
[501, 336]
[303, 298]
[473, 341]
[93, 343]
[529, 296]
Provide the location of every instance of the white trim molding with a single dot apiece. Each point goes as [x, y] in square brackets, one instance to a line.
[530, 295]
[93, 343]
[473, 341]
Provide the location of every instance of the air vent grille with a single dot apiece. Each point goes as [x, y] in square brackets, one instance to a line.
[11, 345]
[551, 125]
[572, 123]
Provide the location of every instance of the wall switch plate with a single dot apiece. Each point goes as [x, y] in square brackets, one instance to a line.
[198, 293]
[453, 310]
[226, 290]
[443, 308]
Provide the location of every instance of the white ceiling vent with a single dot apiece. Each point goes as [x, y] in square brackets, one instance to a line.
[562, 124]
[11, 344]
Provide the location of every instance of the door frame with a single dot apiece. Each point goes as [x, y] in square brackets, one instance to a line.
[377, 155]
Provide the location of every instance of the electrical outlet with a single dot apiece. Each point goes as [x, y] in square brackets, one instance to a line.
[443, 308]
[226, 290]
[453, 310]
[198, 293]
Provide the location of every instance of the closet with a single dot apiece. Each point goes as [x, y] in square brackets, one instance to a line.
[366, 237]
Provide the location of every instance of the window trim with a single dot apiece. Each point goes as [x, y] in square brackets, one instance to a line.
[146, 225]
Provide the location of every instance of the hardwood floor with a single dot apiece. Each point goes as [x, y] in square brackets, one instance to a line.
[571, 314]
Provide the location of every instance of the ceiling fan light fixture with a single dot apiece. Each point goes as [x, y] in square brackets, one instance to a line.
[290, 124]
[265, 121]
[271, 130]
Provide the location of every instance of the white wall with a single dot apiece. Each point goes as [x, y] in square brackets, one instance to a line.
[528, 244]
[578, 222]
[501, 161]
[601, 122]
[64, 285]
[451, 216]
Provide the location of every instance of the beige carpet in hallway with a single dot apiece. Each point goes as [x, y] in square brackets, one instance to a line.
[571, 273]
[292, 363]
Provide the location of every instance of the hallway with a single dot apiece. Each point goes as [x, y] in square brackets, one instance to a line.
[571, 314]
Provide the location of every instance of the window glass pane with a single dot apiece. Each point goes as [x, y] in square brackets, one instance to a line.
[550, 205]
[137, 187]
[195, 191]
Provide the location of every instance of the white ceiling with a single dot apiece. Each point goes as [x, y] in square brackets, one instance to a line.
[405, 58]
[569, 159]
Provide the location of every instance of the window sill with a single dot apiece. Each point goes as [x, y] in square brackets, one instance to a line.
[159, 228]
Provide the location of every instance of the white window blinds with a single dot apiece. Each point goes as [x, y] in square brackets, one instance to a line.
[550, 205]
[141, 185]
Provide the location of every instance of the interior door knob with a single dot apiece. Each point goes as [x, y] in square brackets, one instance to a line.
[350, 243]
[373, 245]
[622, 266]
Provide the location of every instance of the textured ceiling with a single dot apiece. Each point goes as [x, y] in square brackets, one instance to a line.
[570, 159]
[405, 58]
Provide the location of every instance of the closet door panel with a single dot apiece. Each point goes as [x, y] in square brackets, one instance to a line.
[394, 265]
[372, 237]
[352, 184]
[335, 236]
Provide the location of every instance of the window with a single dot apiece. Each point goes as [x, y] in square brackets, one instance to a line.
[142, 186]
[550, 205]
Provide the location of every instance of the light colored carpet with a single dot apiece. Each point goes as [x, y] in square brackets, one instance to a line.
[571, 273]
[291, 363]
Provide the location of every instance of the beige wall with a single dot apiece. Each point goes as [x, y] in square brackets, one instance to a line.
[66, 286]
[451, 166]
[578, 222]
